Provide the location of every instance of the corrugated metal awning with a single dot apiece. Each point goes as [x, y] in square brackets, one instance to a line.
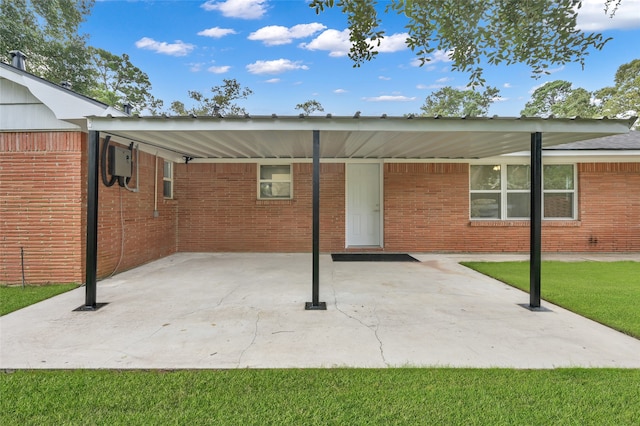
[289, 137]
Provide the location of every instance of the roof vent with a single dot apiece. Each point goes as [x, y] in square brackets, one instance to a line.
[18, 60]
[127, 108]
[66, 84]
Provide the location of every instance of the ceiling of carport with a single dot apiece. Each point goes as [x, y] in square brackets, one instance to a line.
[206, 138]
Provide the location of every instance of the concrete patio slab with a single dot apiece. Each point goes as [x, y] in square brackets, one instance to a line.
[219, 310]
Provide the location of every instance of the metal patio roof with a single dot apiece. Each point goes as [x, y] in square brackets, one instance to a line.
[209, 138]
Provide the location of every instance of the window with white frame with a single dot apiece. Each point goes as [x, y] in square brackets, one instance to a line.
[167, 179]
[275, 181]
[502, 191]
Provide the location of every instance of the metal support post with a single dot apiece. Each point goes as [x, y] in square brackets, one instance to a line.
[315, 304]
[536, 220]
[93, 159]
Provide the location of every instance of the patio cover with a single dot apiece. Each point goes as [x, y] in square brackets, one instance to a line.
[271, 137]
[204, 139]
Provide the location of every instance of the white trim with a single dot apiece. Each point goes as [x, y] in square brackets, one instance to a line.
[621, 157]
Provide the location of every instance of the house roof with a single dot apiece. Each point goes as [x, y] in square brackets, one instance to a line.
[625, 141]
[272, 137]
[18, 110]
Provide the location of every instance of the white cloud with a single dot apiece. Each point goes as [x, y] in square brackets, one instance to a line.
[444, 79]
[339, 91]
[336, 42]
[277, 66]
[592, 16]
[272, 80]
[178, 48]
[393, 43]
[196, 66]
[244, 9]
[274, 35]
[382, 77]
[390, 98]
[216, 32]
[437, 56]
[219, 70]
[499, 99]
[507, 86]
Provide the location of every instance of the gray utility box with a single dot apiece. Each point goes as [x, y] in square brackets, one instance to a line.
[119, 161]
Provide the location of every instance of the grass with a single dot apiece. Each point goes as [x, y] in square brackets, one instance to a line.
[322, 396]
[607, 292]
[15, 297]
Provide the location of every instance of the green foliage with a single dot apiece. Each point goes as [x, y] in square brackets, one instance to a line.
[16, 297]
[221, 103]
[47, 32]
[450, 102]
[546, 97]
[623, 100]
[118, 82]
[309, 107]
[539, 33]
[560, 99]
[607, 292]
[406, 396]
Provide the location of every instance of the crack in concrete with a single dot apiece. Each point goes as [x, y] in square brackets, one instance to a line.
[253, 340]
[372, 328]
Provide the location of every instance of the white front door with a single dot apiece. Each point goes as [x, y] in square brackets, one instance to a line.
[363, 205]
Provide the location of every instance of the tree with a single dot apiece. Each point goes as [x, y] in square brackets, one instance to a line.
[546, 97]
[623, 100]
[539, 33]
[47, 32]
[221, 103]
[118, 82]
[452, 102]
[579, 103]
[309, 107]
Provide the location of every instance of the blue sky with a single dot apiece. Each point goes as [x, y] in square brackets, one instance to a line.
[287, 55]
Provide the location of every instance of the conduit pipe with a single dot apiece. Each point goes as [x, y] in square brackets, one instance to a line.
[155, 189]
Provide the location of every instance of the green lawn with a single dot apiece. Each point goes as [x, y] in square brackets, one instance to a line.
[15, 297]
[607, 292]
[322, 396]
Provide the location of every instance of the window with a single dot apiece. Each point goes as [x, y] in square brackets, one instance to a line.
[502, 191]
[558, 197]
[274, 181]
[167, 179]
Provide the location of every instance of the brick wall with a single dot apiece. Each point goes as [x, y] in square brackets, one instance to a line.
[43, 195]
[219, 210]
[41, 206]
[128, 233]
[426, 209]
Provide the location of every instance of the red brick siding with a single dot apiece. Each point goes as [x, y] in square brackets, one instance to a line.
[41, 206]
[145, 238]
[219, 210]
[43, 195]
[609, 207]
[426, 209]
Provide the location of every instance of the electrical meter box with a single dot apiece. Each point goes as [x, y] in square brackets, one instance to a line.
[119, 161]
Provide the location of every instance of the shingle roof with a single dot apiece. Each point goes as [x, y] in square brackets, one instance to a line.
[625, 141]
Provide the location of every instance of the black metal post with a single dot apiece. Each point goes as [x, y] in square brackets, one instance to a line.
[536, 220]
[93, 160]
[315, 304]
